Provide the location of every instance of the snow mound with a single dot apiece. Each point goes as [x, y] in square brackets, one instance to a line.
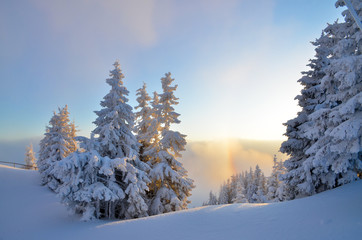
[30, 211]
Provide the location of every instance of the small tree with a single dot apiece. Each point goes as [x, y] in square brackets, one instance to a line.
[57, 144]
[30, 159]
[212, 199]
[258, 195]
[224, 193]
[234, 179]
[240, 192]
[251, 187]
[274, 185]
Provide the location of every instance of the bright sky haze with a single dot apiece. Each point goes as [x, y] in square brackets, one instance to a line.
[236, 62]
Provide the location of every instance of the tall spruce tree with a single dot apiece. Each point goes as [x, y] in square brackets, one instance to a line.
[115, 139]
[324, 141]
[170, 185]
[115, 121]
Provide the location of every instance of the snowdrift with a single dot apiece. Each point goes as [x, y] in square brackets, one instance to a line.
[30, 211]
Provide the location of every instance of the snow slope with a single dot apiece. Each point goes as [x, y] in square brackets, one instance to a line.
[30, 211]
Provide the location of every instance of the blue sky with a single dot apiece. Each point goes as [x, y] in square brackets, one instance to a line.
[236, 62]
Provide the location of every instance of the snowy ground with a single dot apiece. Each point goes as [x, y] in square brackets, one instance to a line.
[29, 211]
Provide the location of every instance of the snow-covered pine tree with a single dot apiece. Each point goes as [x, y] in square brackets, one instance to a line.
[275, 187]
[334, 155]
[73, 135]
[311, 95]
[153, 132]
[234, 179]
[30, 159]
[154, 129]
[170, 185]
[152, 150]
[228, 190]
[156, 124]
[259, 185]
[89, 184]
[240, 191]
[115, 121]
[115, 139]
[332, 127]
[212, 200]
[57, 144]
[273, 182]
[262, 188]
[251, 188]
[223, 194]
[44, 154]
[144, 126]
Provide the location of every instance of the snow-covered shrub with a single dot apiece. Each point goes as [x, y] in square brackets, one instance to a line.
[91, 189]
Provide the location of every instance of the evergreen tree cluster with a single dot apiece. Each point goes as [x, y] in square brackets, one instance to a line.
[129, 166]
[325, 139]
[251, 187]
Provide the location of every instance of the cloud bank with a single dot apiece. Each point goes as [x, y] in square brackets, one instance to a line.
[210, 163]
